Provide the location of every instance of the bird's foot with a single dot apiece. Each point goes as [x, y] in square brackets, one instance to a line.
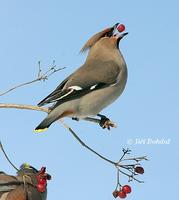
[106, 122]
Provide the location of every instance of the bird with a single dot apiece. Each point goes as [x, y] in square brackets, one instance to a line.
[94, 85]
[28, 184]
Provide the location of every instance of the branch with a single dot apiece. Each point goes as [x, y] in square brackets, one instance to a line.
[129, 167]
[46, 110]
[86, 146]
[23, 107]
[30, 107]
[40, 77]
[6, 156]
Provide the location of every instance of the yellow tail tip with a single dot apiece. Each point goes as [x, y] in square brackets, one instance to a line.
[40, 130]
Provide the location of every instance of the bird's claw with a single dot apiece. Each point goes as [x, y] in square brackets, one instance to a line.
[106, 123]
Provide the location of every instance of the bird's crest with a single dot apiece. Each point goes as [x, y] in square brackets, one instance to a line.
[95, 38]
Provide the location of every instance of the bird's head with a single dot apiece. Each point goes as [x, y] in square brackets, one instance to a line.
[38, 177]
[26, 169]
[109, 37]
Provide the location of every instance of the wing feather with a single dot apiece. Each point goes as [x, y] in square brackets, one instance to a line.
[86, 79]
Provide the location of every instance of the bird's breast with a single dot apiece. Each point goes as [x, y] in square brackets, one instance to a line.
[92, 103]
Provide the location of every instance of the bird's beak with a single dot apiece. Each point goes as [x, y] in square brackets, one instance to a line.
[122, 35]
[119, 37]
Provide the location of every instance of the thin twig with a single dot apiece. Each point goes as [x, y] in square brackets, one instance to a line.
[136, 159]
[125, 151]
[116, 164]
[40, 77]
[132, 177]
[23, 107]
[118, 182]
[86, 146]
[39, 72]
[30, 107]
[1, 147]
[128, 169]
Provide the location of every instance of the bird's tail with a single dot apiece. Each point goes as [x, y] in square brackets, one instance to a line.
[44, 125]
[57, 112]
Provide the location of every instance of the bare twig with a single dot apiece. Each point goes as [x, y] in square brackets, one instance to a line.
[39, 72]
[40, 77]
[86, 146]
[118, 182]
[118, 164]
[1, 147]
[23, 106]
[30, 107]
[131, 177]
[130, 169]
[43, 109]
[137, 159]
[125, 151]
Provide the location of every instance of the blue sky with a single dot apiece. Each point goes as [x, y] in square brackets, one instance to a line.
[148, 108]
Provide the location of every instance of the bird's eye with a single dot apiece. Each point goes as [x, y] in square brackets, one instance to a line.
[110, 33]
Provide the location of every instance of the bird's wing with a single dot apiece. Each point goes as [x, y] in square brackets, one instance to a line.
[86, 79]
[7, 182]
[5, 178]
[54, 93]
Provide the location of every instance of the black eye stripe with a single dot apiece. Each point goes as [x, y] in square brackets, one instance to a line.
[110, 33]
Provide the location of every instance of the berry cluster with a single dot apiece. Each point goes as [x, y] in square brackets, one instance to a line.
[130, 170]
[42, 178]
[122, 193]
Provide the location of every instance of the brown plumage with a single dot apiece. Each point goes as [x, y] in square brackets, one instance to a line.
[95, 38]
[93, 86]
[24, 186]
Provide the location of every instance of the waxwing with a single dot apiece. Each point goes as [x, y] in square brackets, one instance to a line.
[28, 184]
[93, 86]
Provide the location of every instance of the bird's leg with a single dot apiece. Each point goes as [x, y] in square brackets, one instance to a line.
[104, 122]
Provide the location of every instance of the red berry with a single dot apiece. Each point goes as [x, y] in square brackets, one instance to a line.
[115, 193]
[42, 181]
[41, 187]
[126, 189]
[139, 170]
[42, 170]
[38, 178]
[122, 194]
[121, 28]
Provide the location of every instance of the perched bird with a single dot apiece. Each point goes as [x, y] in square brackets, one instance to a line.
[95, 85]
[29, 184]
